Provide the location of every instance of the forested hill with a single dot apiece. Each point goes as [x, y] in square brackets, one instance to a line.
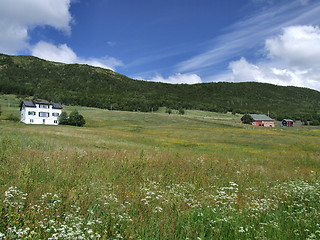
[85, 85]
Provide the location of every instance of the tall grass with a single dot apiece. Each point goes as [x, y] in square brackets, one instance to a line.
[155, 176]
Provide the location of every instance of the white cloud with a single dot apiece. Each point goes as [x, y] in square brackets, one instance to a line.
[63, 53]
[178, 78]
[293, 59]
[18, 17]
[104, 62]
[13, 37]
[248, 35]
[298, 46]
[48, 51]
[243, 71]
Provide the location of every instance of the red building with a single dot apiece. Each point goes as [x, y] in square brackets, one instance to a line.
[262, 120]
[287, 122]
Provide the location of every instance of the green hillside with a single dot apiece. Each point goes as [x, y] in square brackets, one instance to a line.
[85, 85]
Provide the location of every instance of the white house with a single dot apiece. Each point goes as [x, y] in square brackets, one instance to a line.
[35, 112]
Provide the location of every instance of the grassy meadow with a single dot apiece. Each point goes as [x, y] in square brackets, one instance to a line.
[132, 175]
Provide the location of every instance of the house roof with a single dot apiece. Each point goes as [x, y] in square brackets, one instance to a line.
[56, 105]
[28, 103]
[260, 117]
[33, 104]
[287, 120]
[43, 103]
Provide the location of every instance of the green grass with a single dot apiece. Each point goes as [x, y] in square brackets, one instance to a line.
[157, 176]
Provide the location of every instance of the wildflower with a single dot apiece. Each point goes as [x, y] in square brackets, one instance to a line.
[241, 230]
[157, 209]
[118, 235]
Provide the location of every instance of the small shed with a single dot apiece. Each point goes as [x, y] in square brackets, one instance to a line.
[287, 122]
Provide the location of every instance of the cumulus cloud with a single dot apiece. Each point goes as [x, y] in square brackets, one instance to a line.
[298, 46]
[18, 17]
[293, 59]
[63, 53]
[13, 37]
[243, 71]
[48, 51]
[178, 78]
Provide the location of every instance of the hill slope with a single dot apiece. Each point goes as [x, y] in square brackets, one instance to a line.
[91, 86]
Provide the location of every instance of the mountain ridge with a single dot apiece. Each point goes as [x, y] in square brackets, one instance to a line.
[79, 84]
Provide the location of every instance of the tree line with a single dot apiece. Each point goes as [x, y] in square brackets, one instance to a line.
[84, 85]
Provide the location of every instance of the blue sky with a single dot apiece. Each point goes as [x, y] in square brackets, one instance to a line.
[174, 41]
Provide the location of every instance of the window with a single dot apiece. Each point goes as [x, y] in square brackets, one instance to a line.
[43, 121]
[55, 114]
[55, 121]
[31, 120]
[43, 106]
[32, 113]
[43, 114]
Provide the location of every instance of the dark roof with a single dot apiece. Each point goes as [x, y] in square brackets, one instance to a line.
[56, 106]
[260, 117]
[33, 104]
[43, 103]
[28, 103]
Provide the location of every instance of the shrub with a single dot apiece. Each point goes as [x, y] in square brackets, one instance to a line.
[315, 123]
[181, 111]
[76, 119]
[13, 117]
[247, 119]
[63, 118]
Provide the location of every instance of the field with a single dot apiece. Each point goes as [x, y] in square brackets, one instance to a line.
[131, 175]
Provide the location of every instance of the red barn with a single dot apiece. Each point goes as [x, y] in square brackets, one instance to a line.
[262, 120]
[287, 122]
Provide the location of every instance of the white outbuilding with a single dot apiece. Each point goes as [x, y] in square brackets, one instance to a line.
[35, 112]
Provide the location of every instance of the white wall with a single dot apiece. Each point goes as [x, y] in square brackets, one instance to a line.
[36, 119]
